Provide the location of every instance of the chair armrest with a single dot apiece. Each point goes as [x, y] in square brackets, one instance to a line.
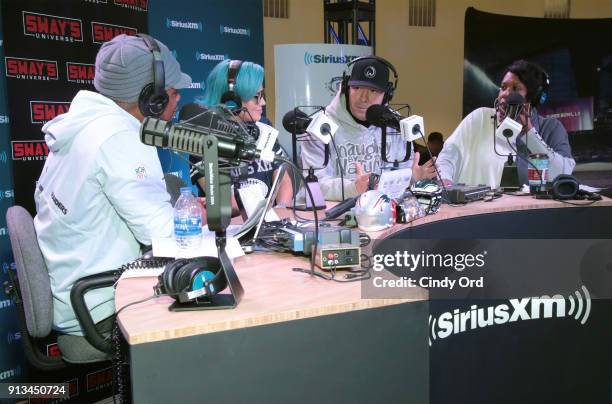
[77, 298]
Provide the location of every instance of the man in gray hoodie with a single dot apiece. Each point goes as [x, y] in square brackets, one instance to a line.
[358, 142]
[101, 193]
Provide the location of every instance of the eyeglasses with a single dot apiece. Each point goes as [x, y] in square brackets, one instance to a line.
[259, 96]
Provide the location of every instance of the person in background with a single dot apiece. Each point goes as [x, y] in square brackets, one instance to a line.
[358, 142]
[435, 142]
[246, 79]
[469, 156]
[101, 195]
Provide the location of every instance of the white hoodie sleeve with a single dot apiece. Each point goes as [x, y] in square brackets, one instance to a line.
[132, 179]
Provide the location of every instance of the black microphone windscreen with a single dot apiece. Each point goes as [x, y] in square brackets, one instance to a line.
[515, 98]
[296, 121]
[191, 110]
[375, 114]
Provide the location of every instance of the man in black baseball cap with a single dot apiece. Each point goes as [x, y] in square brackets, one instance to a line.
[358, 142]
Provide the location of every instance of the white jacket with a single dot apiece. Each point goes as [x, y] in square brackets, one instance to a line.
[355, 143]
[470, 155]
[101, 193]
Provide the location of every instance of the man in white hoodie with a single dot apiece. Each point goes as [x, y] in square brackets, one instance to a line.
[101, 194]
[359, 142]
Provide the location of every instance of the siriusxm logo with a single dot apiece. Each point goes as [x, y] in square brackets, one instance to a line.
[8, 373]
[2, 156]
[210, 56]
[184, 24]
[532, 308]
[4, 119]
[5, 303]
[7, 265]
[224, 29]
[317, 59]
[13, 336]
[3, 231]
[198, 86]
[8, 194]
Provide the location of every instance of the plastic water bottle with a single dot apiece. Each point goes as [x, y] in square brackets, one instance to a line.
[187, 224]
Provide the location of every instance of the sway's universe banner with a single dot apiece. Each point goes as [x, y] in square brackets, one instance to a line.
[202, 34]
[47, 54]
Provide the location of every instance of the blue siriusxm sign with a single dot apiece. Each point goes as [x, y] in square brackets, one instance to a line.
[224, 29]
[199, 86]
[309, 58]
[177, 24]
[214, 57]
[3, 157]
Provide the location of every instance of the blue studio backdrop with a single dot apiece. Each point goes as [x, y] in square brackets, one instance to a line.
[202, 34]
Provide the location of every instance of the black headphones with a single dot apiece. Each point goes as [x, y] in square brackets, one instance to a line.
[231, 96]
[153, 98]
[567, 187]
[541, 93]
[564, 187]
[189, 279]
[391, 86]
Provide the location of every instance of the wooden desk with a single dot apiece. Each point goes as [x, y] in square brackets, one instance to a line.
[293, 338]
[296, 338]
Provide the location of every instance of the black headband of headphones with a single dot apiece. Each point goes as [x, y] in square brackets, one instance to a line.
[232, 73]
[158, 64]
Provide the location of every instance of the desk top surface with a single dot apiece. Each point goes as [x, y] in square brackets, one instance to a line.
[274, 293]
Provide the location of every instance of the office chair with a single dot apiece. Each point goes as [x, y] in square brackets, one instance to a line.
[34, 301]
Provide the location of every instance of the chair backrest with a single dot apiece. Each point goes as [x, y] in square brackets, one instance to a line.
[34, 282]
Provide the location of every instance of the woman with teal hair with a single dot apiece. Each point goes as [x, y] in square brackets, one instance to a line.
[247, 98]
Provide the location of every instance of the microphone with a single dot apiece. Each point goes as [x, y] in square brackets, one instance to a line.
[321, 126]
[411, 128]
[381, 115]
[196, 114]
[193, 139]
[296, 121]
[510, 128]
[514, 105]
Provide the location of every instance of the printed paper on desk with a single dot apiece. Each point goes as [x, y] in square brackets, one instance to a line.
[166, 246]
[394, 182]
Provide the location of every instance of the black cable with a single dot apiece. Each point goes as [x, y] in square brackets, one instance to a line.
[314, 210]
[339, 167]
[119, 361]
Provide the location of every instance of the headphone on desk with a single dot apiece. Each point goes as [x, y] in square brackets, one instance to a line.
[391, 86]
[566, 187]
[231, 98]
[153, 98]
[188, 279]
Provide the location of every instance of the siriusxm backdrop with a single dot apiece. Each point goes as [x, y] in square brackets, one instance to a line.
[47, 51]
[202, 34]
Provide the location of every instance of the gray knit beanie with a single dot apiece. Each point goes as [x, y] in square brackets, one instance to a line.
[124, 66]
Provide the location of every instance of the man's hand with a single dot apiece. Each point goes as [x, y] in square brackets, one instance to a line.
[202, 203]
[427, 170]
[361, 178]
[525, 118]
